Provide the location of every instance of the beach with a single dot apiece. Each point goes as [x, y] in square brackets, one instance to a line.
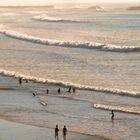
[12, 127]
[72, 65]
[35, 117]
[15, 131]
[15, 120]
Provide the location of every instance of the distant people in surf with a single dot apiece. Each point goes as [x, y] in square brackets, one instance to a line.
[47, 91]
[58, 90]
[26, 81]
[64, 132]
[34, 94]
[69, 90]
[20, 81]
[73, 89]
[56, 133]
[112, 115]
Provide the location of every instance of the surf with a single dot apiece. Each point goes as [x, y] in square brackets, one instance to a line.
[53, 19]
[121, 108]
[67, 84]
[69, 44]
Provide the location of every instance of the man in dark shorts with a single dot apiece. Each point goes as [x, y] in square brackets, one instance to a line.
[56, 133]
[47, 91]
[64, 132]
[112, 117]
[69, 89]
[20, 81]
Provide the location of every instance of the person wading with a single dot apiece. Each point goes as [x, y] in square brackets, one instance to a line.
[64, 132]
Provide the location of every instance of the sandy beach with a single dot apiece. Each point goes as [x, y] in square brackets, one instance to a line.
[16, 106]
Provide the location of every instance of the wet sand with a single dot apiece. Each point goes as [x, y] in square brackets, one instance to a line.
[16, 131]
[13, 128]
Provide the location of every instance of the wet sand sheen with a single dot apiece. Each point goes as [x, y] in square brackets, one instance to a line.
[12, 127]
[26, 132]
[30, 132]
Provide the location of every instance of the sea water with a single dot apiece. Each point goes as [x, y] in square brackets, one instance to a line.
[91, 50]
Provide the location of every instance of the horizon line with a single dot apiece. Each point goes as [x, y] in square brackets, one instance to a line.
[48, 4]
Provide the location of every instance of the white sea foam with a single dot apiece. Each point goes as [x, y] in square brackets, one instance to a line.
[121, 108]
[66, 84]
[116, 48]
[52, 19]
[72, 44]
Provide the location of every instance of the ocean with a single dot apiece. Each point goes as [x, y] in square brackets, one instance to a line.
[98, 52]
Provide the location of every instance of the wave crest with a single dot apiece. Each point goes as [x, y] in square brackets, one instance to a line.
[124, 108]
[70, 44]
[67, 84]
[52, 19]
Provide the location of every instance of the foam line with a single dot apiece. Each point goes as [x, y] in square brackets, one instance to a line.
[123, 108]
[67, 84]
[52, 19]
[69, 44]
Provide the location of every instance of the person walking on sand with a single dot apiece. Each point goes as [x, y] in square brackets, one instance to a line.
[56, 133]
[64, 132]
[112, 117]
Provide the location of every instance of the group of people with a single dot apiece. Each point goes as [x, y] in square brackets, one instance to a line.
[71, 89]
[64, 132]
[59, 90]
[47, 91]
[20, 81]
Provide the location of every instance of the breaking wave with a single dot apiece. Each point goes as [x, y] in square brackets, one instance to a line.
[70, 44]
[67, 84]
[121, 108]
[53, 19]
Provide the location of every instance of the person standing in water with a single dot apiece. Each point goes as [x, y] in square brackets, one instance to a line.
[112, 117]
[58, 90]
[64, 132]
[47, 91]
[20, 81]
[69, 89]
[74, 89]
[56, 133]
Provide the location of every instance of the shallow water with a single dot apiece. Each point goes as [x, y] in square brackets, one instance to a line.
[57, 46]
[74, 110]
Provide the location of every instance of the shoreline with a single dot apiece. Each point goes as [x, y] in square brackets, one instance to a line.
[87, 136]
[12, 122]
[114, 91]
[31, 132]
